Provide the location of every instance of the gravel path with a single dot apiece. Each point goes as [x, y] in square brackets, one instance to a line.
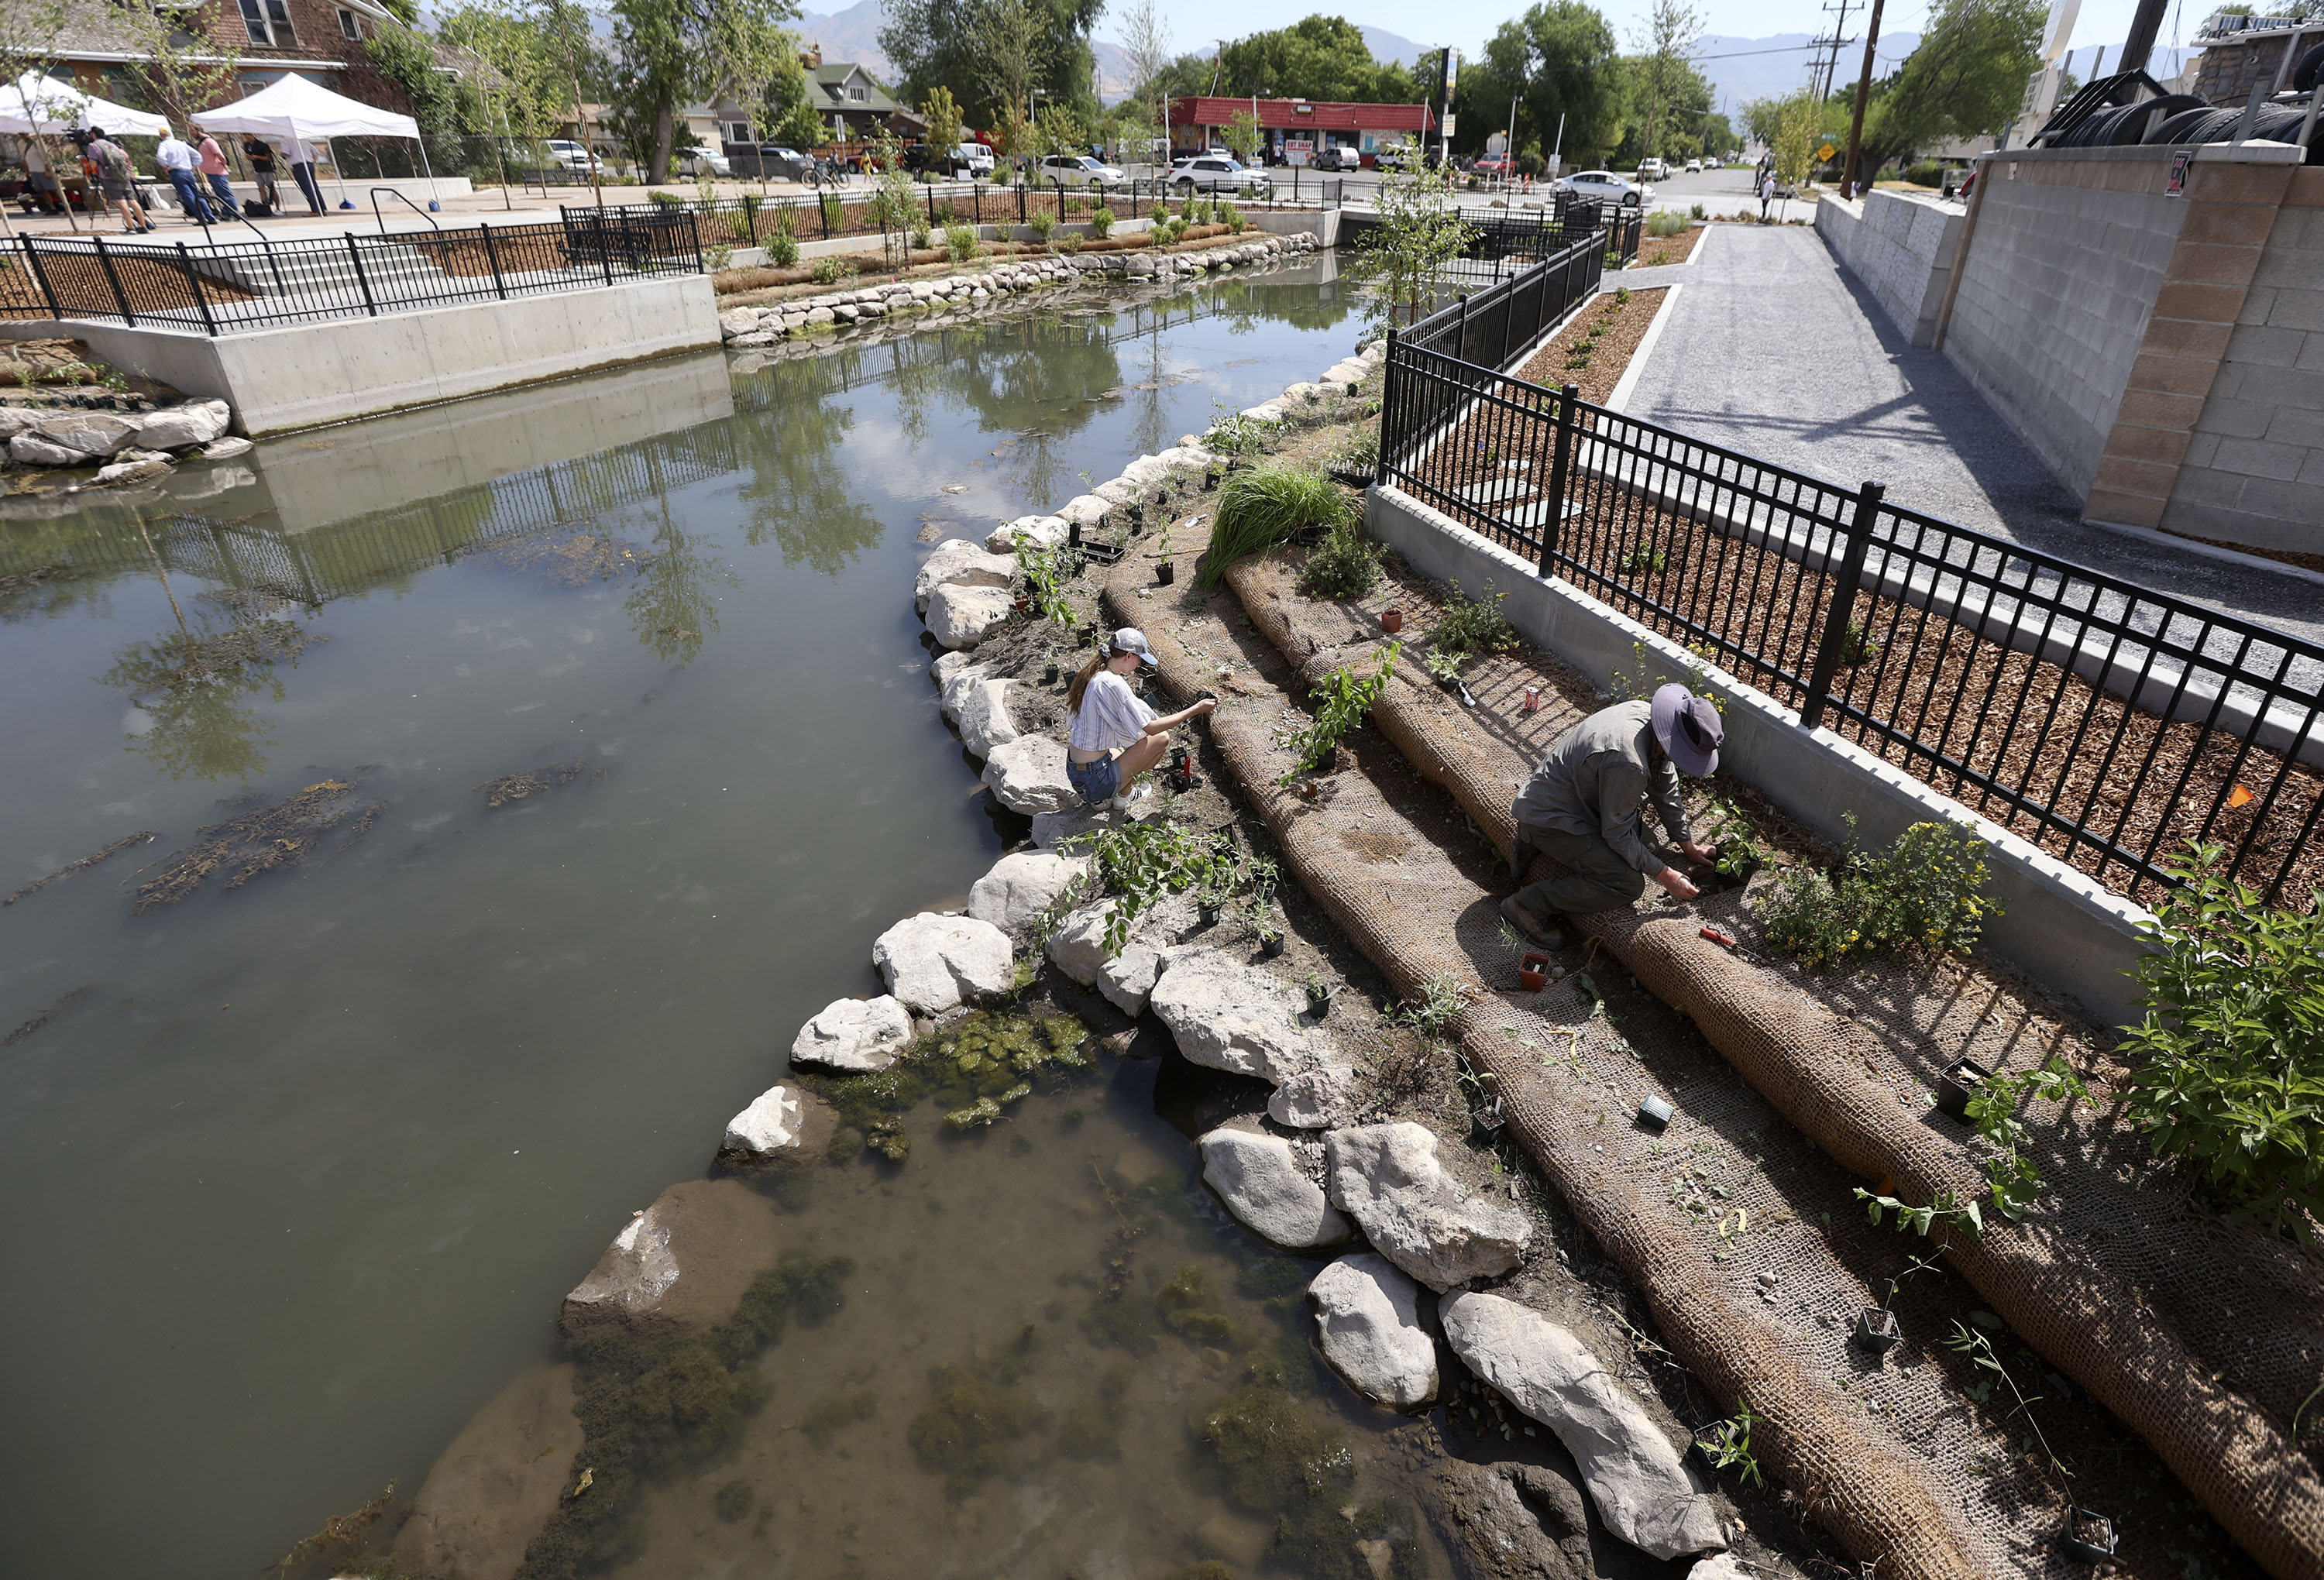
[1774, 351]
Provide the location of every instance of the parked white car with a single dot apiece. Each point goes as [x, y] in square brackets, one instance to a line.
[699, 161]
[1067, 169]
[1695, 167]
[1608, 187]
[1654, 170]
[569, 155]
[1211, 172]
[1340, 156]
[974, 160]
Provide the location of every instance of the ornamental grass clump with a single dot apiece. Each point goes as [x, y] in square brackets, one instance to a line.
[2230, 1055]
[1265, 507]
[1924, 894]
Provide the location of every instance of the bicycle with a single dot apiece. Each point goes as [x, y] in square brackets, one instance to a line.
[828, 172]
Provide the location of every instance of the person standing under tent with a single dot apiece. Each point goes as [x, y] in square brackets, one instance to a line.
[261, 155]
[177, 158]
[117, 178]
[40, 178]
[302, 170]
[211, 160]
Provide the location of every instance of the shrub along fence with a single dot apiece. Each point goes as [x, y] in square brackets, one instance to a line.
[2107, 723]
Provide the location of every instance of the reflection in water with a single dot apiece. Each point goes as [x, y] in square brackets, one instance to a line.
[386, 1104]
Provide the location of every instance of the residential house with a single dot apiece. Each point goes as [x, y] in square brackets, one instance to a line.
[853, 105]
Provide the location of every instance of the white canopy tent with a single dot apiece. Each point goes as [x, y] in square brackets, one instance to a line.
[36, 102]
[295, 108]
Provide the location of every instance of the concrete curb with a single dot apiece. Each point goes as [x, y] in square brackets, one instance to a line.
[1628, 385]
[2065, 933]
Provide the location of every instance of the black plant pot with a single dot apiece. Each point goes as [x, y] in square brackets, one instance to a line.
[1049, 673]
[1319, 1005]
[1489, 1118]
[1876, 1329]
[1074, 534]
[1655, 1113]
[1209, 914]
[1166, 573]
[1350, 476]
[1961, 1078]
[2089, 1536]
[1272, 945]
[1742, 875]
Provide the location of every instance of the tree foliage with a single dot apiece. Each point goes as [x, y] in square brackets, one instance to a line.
[1966, 79]
[1404, 256]
[1670, 92]
[1316, 57]
[1557, 59]
[536, 51]
[991, 54]
[669, 53]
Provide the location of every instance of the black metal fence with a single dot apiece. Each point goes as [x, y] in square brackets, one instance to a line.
[225, 288]
[1488, 328]
[2105, 721]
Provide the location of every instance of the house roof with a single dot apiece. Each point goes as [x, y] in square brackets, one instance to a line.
[834, 81]
[1302, 115]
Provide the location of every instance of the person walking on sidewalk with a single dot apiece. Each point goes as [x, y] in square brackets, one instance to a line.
[177, 158]
[1767, 193]
[1581, 808]
[117, 178]
[1115, 737]
[211, 161]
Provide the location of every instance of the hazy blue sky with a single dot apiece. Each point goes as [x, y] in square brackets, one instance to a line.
[1467, 23]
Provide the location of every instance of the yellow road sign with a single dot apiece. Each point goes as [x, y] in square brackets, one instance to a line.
[1826, 151]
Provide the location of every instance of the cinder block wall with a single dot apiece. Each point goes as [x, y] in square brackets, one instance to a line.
[2067, 255]
[1901, 245]
[2253, 471]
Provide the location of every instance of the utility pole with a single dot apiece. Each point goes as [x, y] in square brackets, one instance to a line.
[1828, 66]
[1863, 92]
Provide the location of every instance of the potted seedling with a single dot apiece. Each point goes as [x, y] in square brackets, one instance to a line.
[2089, 1535]
[1532, 970]
[1271, 942]
[1876, 1326]
[1446, 668]
[1957, 1085]
[1319, 996]
[1655, 1113]
[1166, 571]
[1727, 1445]
[1049, 673]
[1391, 619]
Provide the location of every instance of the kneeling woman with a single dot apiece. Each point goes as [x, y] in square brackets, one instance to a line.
[1115, 737]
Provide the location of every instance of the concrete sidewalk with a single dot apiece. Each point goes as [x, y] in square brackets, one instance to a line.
[1773, 350]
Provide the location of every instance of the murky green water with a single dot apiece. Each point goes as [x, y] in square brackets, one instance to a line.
[298, 1169]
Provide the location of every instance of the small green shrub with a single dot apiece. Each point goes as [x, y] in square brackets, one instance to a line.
[945, 214]
[1360, 451]
[1665, 222]
[1926, 172]
[1264, 507]
[782, 237]
[1101, 221]
[1043, 222]
[960, 243]
[1697, 212]
[1068, 244]
[1240, 436]
[717, 258]
[1923, 893]
[2230, 1055]
[1469, 626]
[1345, 564]
[832, 271]
[920, 238]
[1342, 701]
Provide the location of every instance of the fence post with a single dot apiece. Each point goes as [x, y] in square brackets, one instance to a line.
[606, 246]
[33, 261]
[113, 278]
[1022, 184]
[363, 280]
[693, 229]
[823, 210]
[492, 257]
[185, 261]
[1837, 614]
[1388, 386]
[1560, 467]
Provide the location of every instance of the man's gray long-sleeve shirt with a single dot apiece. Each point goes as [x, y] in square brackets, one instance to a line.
[1594, 777]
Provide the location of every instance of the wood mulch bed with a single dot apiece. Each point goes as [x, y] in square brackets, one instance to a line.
[1658, 250]
[1618, 323]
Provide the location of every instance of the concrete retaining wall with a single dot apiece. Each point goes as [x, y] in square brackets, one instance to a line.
[2254, 472]
[279, 380]
[2059, 927]
[1902, 246]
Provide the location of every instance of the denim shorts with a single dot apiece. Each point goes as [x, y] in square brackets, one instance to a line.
[1095, 782]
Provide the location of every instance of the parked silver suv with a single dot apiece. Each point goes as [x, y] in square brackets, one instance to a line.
[1211, 172]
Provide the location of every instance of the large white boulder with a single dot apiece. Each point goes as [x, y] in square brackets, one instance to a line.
[782, 1120]
[960, 563]
[1368, 1326]
[196, 422]
[1261, 1183]
[1322, 1098]
[1637, 1478]
[1087, 509]
[1077, 948]
[1229, 1017]
[1020, 888]
[854, 1035]
[1387, 1178]
[932, 963]
[1028, 776]
[959, 616]
[1041, 531]
[977, 705]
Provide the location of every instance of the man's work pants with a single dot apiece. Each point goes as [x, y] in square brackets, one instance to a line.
[1597, 879]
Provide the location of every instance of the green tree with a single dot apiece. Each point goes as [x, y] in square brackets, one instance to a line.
[1966, 79]
[993, 53]
[1668, 125]
[1404, 257]
[439, 101]
[1668, 87]
[1797, 121]
[1146, 50]
[670, 52]
[941, 113]
[1241, 134]
[1316, 57]
[1557, 60]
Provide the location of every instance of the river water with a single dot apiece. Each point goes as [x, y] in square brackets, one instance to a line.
[298, 1166]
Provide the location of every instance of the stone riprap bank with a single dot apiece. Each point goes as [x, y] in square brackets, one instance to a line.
[747, 327]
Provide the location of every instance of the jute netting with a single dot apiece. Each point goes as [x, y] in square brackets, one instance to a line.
[2201, 1337]
[1569, 1082]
